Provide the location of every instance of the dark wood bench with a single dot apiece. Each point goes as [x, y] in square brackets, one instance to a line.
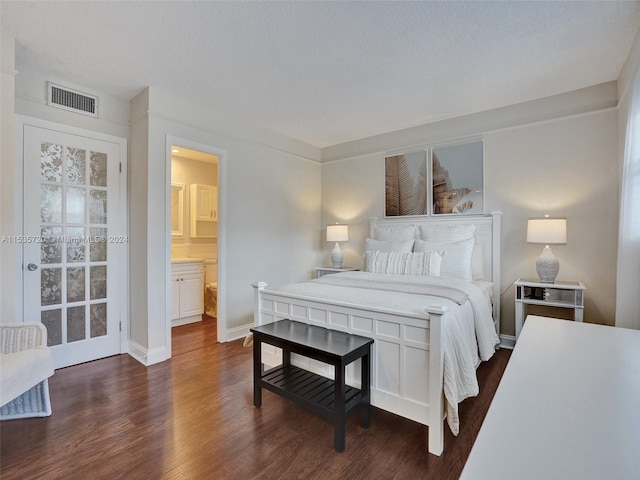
[332, 399]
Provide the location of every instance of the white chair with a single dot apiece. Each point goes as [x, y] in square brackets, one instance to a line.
[25, 367]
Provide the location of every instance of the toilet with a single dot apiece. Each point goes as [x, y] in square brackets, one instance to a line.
[211, 287]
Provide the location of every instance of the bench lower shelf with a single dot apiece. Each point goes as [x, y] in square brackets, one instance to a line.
[309, 390]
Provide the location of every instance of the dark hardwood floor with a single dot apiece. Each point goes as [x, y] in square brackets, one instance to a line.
[193, 336]
[192, 417]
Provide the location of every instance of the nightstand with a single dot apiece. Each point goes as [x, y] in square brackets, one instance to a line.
[561, 294]
[320, 271]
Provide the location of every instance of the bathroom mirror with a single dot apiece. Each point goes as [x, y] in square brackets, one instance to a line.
[177, 209]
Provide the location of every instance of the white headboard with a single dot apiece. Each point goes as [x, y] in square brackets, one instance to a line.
[487, 234]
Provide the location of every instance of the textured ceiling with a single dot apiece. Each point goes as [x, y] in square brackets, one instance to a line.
[328, 72]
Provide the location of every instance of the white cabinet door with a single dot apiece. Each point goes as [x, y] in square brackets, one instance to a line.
[187, 293]
[191, 295]
[175, 297]
[204, 203]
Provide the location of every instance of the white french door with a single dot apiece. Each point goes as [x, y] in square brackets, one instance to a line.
[74, 243]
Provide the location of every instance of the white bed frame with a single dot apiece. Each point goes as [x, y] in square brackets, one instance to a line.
[407, 361]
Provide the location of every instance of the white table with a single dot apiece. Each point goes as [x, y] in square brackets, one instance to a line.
[321, 271]
[563, 294]
[567, 407]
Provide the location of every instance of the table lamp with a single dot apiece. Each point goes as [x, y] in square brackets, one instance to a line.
[547, 231]
[337, 233]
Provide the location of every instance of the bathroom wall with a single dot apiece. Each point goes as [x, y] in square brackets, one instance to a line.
[188, 172]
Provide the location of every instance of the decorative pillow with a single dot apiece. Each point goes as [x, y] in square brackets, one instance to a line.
[447, 233]
[477, 262]
[397, 233]
[403, 263]
[456, 257]
[389, 246]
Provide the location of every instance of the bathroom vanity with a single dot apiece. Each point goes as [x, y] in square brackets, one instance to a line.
[187, 285]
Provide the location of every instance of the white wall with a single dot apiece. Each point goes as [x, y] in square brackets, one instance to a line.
[563, 161]
[567, 167]
[10, 292]
[269, 197]
[138, 231]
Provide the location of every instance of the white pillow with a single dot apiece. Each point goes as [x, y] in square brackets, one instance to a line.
[447, 233]
[397, 233]
[477, 262]
[389, 246]
[403, 263]
[456, 257]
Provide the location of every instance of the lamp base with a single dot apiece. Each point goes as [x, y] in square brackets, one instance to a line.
[337, 257]
[547, 266]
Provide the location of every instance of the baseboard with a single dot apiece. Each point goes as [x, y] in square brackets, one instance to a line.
[238, 332]
[186, 320]
[507, 341]
[148, 357]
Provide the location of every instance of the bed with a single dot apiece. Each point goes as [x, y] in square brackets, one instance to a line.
[424, 324]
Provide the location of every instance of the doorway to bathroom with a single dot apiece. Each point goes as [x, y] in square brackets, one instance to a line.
[196, 249]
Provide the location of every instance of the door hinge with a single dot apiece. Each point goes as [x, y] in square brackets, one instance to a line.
[120, 167]
[120, 326]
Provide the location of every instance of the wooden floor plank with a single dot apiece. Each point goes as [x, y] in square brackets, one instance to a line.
[192, 417]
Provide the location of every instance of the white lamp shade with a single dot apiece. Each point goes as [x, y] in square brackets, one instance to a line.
[547, 231]
[337, 233]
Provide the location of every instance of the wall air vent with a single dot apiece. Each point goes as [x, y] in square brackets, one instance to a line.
[72, 100]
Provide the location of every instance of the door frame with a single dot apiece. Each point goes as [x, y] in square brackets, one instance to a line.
[221, 306]
[22, 121]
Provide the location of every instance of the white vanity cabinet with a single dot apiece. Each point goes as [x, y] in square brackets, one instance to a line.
[187, 291]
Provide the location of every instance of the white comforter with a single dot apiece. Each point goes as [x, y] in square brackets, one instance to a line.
[468, 331]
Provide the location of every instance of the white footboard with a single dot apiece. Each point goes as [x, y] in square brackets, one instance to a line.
[407, 360]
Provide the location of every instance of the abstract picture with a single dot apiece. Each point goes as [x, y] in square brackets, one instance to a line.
[406, 184]
[458, 179]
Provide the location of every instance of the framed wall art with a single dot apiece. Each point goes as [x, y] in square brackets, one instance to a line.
[406, 184]
[457, 179]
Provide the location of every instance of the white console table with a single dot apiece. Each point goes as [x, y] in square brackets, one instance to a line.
[566, 407]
